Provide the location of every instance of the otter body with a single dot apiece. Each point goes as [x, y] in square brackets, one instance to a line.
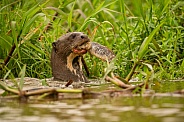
[66, 57]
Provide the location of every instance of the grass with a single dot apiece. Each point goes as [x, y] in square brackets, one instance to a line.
[147, 36]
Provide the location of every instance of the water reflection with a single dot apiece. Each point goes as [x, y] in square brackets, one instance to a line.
[124, 109]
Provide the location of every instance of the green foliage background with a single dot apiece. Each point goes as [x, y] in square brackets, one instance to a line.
[148, 32]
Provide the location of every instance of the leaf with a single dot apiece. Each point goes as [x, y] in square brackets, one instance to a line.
[35, 47]
[44, 82]
[144, 46]
[30, 22]
[163, 6]
[64, 3]
[14, 34]
[182, 66]
[6, 75]
[29, 14]
[149, 66]
[70, 16]
[110, 68]
[96, 11]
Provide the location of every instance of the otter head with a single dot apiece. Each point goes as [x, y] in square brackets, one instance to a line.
[66, 56]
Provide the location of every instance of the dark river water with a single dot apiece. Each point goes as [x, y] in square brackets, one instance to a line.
[151, 108]
[120, 109]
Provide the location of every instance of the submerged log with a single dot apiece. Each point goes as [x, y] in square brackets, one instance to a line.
[83, 93]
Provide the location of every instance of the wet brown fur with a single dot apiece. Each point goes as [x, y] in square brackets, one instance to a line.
[66, 64]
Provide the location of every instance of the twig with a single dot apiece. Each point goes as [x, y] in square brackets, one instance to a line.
[121, 84]
[40, 91]
[44, 95]
[6, 88]
[69, 83]
[69, 90]
[123, 80]
[8, 57]
[11, 97]
[134, 87]
[117, 82]
[51, 90]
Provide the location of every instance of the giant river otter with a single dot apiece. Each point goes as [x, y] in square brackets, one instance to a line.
[66, 56]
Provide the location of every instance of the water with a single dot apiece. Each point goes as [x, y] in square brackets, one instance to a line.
[122, 109]
[152, 108]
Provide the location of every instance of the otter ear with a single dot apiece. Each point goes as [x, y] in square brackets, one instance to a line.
[54, 46]
[72, 36]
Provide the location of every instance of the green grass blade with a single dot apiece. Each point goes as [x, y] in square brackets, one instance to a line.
[163, 7]
[22, 75]
[70, 15]
[96, 11]
[147, 40]
[34, 47]
[14, 35]
[30, 13]
[7, 74]
[30, 22]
